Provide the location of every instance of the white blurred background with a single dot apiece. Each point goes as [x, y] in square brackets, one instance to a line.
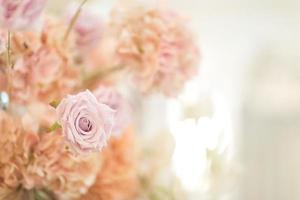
[251, 72]
[251, 56]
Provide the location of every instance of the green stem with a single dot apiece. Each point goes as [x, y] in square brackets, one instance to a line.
[73, 20]
[8, 48]
[54, 127]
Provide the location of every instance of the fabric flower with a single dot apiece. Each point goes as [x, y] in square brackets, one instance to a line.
[112, 98]
[86, 123]
[20, 14]
[158, 46]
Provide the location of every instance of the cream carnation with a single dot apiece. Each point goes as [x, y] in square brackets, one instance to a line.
[86, 123]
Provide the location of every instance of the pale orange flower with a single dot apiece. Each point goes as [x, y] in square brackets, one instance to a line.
[158, 46]
[41, 161]
[117, 179]
[43, 68]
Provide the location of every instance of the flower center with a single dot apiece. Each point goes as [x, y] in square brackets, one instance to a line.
[85, 124]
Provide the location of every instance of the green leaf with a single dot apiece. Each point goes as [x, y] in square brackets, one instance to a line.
[54, 103]
[54, 127]
[41, 195]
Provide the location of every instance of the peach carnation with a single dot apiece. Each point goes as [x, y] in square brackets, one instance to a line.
[54, 167]
[41, 161]
[157, 45]
[117, 179]
[43, 70]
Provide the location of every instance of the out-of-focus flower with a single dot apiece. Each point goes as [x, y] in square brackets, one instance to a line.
[10, 130]
[56, 168]
[158, 46]
[154, 168]
[42, 75]
[40, 68]
[53, 34]
[47, 65]
[86, 123]
[112, 98]
[20, 14]
[15, 154]
[37, 116]
[88, 27]
[2, 43]
[117, 179]
[43, 69]
[41, 161]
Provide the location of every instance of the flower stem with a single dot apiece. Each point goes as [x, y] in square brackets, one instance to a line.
[54, 127]
[9, 64]
[89, 80]
[73, 20]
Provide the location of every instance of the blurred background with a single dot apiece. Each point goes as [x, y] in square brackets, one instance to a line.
[236, 127]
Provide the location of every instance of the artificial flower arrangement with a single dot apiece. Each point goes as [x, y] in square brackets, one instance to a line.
[66, 130]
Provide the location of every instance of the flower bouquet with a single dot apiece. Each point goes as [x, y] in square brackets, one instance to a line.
[66, 119]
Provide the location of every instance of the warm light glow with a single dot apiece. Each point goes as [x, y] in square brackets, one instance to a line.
[194, 137]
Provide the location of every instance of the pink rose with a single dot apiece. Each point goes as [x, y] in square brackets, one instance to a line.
[115, 100]
[20, 14]
[86, 123]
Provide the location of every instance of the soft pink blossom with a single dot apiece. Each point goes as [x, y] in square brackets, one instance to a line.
[86, 123]
[158, 46]
[20, 14]
[116, 101]
[88, 27]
